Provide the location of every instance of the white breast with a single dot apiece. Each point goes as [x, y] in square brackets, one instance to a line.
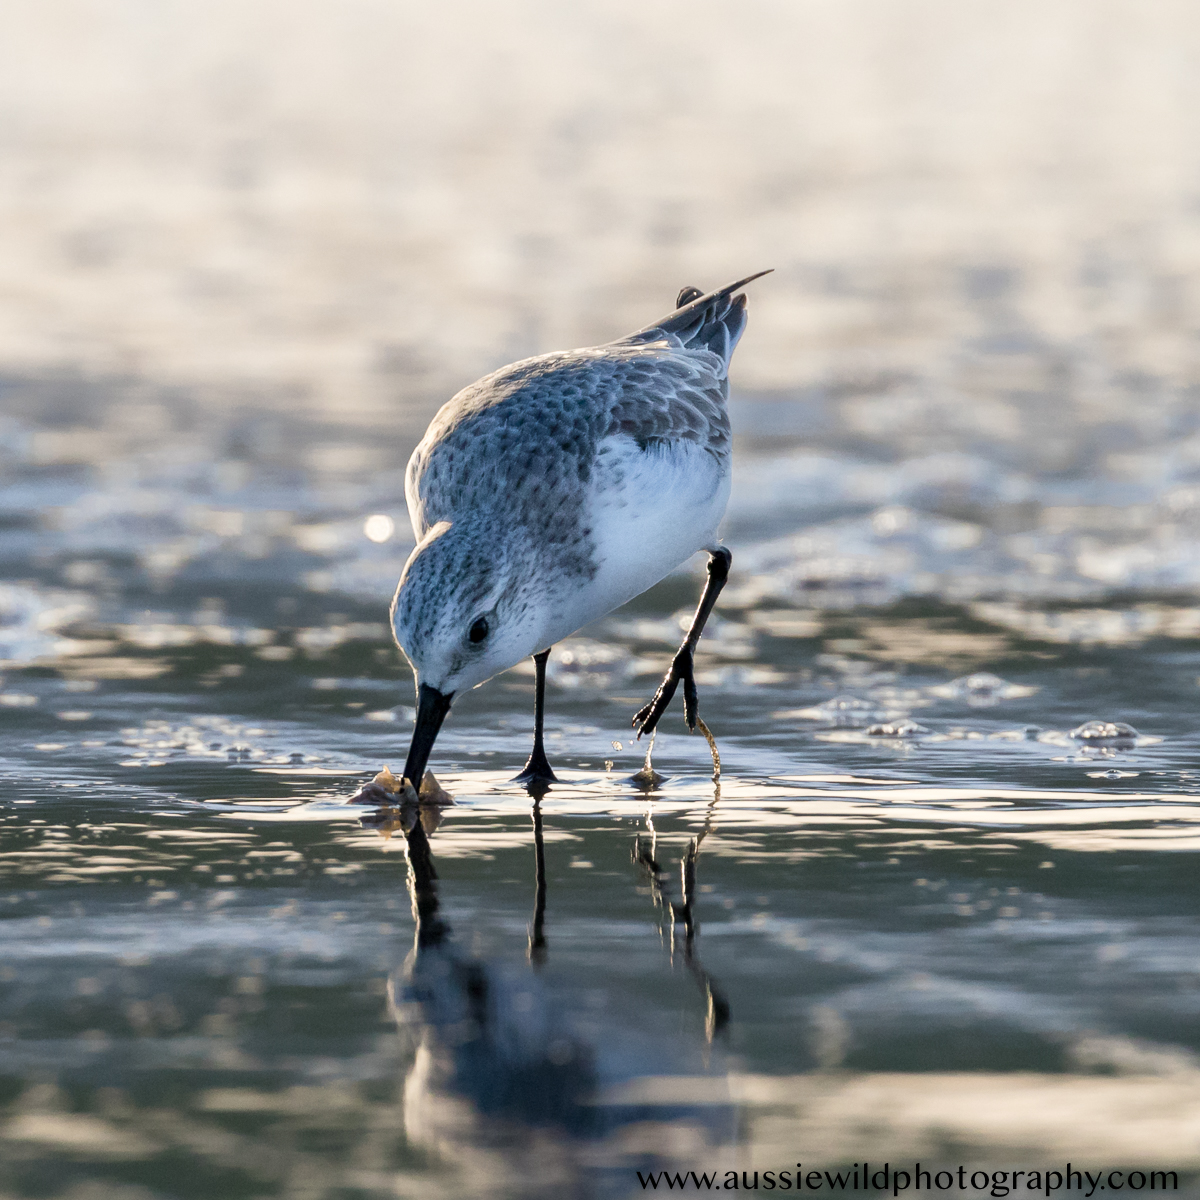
[648, 511]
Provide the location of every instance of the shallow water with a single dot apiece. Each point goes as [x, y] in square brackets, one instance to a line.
[933, 914]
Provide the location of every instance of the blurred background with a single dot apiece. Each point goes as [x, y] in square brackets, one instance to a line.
[948, 895]
[244, 242]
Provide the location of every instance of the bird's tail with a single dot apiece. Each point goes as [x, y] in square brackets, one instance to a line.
[705, 322]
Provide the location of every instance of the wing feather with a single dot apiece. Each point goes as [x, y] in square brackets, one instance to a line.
[531, 430]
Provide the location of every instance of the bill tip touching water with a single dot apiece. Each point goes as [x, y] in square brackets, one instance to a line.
[558, 488]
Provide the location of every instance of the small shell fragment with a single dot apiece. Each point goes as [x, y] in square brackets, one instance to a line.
[432, 792]
[386, 780]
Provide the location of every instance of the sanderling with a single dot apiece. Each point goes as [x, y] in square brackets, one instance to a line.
[554, 490]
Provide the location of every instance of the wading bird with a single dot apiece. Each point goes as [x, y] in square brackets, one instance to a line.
[554, 490]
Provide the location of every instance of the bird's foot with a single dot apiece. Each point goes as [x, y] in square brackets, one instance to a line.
[537, 774]
[646, 718]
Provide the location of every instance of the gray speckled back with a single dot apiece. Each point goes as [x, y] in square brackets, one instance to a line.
[530, 432]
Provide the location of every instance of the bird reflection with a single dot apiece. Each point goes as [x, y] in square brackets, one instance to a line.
[507, 1077]
[486, 1036]
[681, 917]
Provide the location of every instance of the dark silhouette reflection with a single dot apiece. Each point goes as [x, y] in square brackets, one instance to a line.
[516, 1074]
[487, 1037]
[681, 918]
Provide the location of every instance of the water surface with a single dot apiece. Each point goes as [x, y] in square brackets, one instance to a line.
[928, 912]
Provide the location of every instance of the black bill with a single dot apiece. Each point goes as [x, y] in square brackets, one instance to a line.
[432, 707]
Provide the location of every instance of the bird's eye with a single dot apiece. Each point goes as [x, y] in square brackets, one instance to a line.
[478, 631]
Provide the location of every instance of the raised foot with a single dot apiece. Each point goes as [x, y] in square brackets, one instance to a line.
[646, 719]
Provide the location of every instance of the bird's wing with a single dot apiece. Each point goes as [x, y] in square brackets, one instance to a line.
[531, 430]
[535, 425]
[659, 396]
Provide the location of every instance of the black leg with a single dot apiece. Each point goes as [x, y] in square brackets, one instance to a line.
[537, 773]
[647, 718]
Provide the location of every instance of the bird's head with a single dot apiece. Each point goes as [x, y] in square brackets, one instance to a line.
[462, 613]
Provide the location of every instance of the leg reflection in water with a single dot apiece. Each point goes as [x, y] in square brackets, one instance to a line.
[681, 916]
[525, 1076]
[537, 931]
